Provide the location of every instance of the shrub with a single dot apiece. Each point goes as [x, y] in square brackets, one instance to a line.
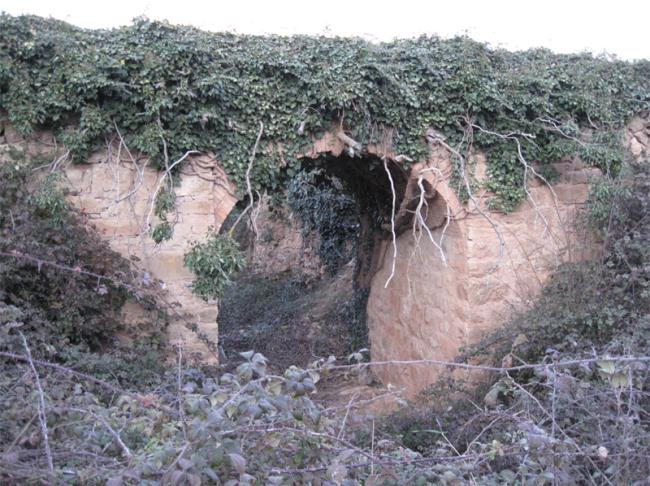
[213, 262]
[66, 314]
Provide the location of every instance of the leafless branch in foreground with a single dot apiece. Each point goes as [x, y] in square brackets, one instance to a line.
[41, 406]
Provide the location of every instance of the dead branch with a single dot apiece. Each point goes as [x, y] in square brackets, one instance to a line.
[139, 171]
[84, 376]
[166, 174]
[116, 436]
[514, 136]
[495, 369]
[41, 406]
[419, 221]
[249, 187]
[392, 222]
[495, 228]
[353, 145]
[179, 389]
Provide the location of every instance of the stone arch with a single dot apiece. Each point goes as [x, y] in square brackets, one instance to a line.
[431, 308]
[422, 312]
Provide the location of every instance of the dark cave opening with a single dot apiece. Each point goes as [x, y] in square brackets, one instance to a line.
[341, 207]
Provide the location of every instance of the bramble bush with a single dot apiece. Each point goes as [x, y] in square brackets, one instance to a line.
[137, 420]
[63, 316]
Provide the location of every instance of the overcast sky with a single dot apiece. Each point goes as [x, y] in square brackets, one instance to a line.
[617, 27]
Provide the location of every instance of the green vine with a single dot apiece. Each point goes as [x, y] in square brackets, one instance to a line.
[209, 91]
[164, 204]
[49, 201]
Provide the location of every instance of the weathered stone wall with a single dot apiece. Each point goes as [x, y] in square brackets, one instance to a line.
[493, 262]
[638, 137]
[115, 193]
[281, 247]
[117, 197]
[432, 307]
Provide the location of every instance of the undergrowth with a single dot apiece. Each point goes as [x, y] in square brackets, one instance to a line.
[137, 420]
[66, 319]
[549, 424]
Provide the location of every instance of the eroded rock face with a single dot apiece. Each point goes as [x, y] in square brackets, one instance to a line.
[442, 298]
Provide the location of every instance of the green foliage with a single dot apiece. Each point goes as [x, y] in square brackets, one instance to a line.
[213, 262]
[245, 427]
[65, 310]
[321, 203]
[164, 204]
[207, 91]
[603, 200]
[49, 201]
[162, 232]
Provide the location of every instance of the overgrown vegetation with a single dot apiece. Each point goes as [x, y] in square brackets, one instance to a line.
[190, 90]
[80, 408]
[290, 321]
[164, 204]
[35, 221]
[546, 423]
[324, 206]
[213, 262]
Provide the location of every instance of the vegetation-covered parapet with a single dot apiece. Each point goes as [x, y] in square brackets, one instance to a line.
[209, 91]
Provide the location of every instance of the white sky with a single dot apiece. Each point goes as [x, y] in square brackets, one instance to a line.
[619, 27]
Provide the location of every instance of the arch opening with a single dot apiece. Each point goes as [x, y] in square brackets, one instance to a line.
[304, 294]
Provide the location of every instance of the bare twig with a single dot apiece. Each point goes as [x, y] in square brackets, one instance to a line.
[41, 406]
[179, 386]
[495, 369]
[419, 221]
[166, 174]
[84, 376]
[125, 450]
[140, 171]
[477, 205]
[347, 412]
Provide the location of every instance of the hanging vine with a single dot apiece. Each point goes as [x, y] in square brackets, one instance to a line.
[209, 91]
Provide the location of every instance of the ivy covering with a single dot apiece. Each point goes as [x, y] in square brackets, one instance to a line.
[209, 91]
